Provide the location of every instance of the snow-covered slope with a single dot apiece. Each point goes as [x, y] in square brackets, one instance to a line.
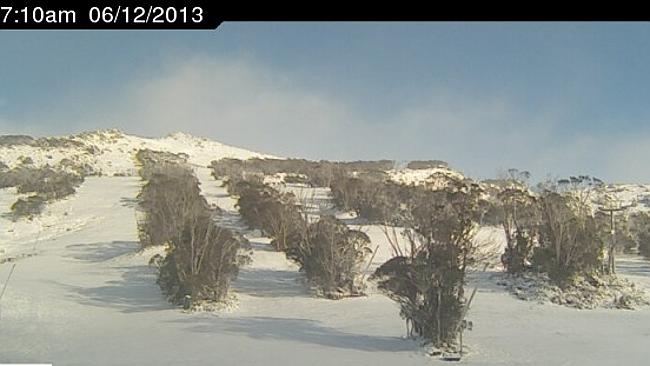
[422, 176]
[110, 152]
[89, 297]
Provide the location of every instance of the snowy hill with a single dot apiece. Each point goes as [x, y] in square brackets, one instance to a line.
[110, 152]
[83, 293]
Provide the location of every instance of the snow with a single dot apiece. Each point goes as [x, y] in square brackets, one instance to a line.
[89, 297]
[114, 151]
[24, 236]
[420, 176]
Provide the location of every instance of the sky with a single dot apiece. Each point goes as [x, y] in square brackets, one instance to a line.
[555, 99]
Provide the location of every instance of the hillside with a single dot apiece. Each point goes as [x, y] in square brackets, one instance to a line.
[110, 152]
[83, 292]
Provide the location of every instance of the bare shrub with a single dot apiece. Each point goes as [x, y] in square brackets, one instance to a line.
[641, 230]
[201, 262]
[28, 207]
[170, 195]
[331, 255]
[520, 221]
[427, 279]
[570, 240]
[202, 258]
[368, 195]
[327, 251]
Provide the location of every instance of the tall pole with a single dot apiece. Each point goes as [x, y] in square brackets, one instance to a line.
[611, 263]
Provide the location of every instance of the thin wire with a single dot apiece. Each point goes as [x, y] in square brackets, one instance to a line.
[7, 282]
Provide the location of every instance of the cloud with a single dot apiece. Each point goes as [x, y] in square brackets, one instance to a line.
[236, 102]
[241, 102]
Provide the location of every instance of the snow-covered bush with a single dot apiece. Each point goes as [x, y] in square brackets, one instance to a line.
[315, 173]
[521, 223]
[168, 198]
[589, 291]
[28, 207]
[201, 262]
[428, 277]
[327, 251]
[44, 184]
[369, 195]
[263, 207]
[570, 240]
[641, 232]
[202, 258]
[331, 255]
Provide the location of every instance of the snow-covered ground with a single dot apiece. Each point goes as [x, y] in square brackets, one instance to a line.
[421, 176]
[112, 151]
[89, 297]
[23, 237]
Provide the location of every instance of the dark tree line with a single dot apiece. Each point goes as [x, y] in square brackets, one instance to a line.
[426, 164]
[202, 258]
[314, 173]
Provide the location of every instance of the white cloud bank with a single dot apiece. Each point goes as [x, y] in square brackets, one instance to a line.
[242, 103]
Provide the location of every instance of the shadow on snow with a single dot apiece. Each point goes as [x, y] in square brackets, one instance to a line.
[300, 330]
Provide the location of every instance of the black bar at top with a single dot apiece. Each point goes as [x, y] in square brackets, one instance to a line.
[203, 14]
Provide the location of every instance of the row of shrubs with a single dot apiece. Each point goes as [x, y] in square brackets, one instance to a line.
[556, 229]
[41, 184]
[329, 253]
[44, 142]
[202, 258]
[426, 278]
[317, 173]
[356, 186]
[552, 229]
[427, 164]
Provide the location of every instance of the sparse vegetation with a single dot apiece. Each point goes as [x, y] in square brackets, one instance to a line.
[315, 173]
[43, 184]
[426, 164]
[520, 220]
[330, 254]
[369, 196]
[28, 207]
[641, 231]
[571, 238]
[202, 258]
